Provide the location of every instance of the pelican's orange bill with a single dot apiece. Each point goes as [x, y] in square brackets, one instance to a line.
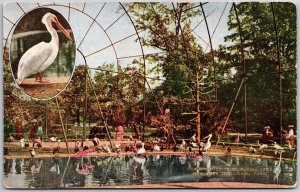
[62, 29]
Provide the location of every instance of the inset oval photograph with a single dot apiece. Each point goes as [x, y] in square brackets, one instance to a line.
[42, 53]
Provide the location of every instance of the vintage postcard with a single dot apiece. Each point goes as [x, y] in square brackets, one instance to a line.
[149, 95]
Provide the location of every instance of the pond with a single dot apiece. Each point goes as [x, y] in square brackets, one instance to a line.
[126, 170]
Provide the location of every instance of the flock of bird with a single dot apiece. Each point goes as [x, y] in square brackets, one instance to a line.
[140, 149]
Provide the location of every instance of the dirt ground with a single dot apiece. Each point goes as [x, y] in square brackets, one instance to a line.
[44, 90]
[204, 185]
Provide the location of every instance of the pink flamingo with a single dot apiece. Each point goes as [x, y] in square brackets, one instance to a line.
[135, 149]
[198, 156]
[10, 138]
[90, 150]
[89, 166]
[82, 171]
[82, 154]
[131, 137]
[37, 141]
[238, 138]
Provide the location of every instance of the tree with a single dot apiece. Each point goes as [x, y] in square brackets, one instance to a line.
[261, 63]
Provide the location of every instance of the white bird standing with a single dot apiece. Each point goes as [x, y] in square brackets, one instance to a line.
[32, 153]
[237, 140]
[106, 148]
[182, 145]
[39, 57]
[156, 148]
[262, 147]
[277, 147]
[208, 143]
[252, 150]
[193, 138]
[53, 140]
[277, 169]
[22, 143]
[290, 146]
[141, 150]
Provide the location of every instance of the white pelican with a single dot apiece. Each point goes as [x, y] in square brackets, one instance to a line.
[39, 57]
[141, 150]
[207, 145]
[193, 138]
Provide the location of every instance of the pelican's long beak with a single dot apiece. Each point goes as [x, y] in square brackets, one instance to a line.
[62, 29]
[207, 136]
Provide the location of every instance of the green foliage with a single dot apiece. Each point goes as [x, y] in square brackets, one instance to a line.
[261, 63]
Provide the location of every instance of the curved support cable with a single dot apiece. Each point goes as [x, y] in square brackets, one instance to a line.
[244, 67]
[211, 51]
[279, 70]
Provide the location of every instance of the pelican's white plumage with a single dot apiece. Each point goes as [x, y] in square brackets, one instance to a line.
[39, 57]
[207, 145]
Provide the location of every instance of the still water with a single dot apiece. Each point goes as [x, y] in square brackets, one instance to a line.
[112, 171]
[64, 62]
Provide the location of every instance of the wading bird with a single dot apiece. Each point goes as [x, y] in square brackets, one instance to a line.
[106, 148]
[57, 148]
[22, 143]
[277, 147]
[10, 138]
[32, 153]
[277, 169]
[141, 150]
[52, 140]
[208, 143]
[39, 57]
[290, 146]
[156, 148]
[194, 138]
[96, 141]
[252, 150]
[262, 147]
[37, 141]
[76, 149]
[237, 140]
[182, 145]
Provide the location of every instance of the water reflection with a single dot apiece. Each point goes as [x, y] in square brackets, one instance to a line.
[64, 62]
[98, 171]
